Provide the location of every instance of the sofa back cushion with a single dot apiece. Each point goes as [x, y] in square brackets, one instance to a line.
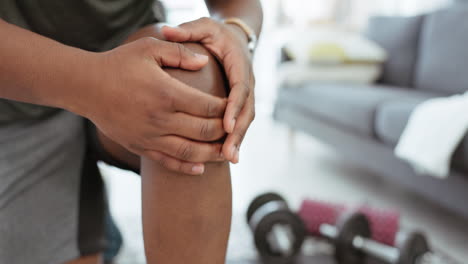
[399, 36]
[443, 54]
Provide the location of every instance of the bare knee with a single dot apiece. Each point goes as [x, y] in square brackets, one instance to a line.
[210, 79]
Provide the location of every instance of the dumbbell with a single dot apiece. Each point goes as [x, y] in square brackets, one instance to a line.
[390, 246]
[384, 223]
[278, 232]
[353, 245]
[349, 226]
[411, 248]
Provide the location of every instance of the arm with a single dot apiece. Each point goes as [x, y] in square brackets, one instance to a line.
[186, 219]
[38, 70]
[250, 11]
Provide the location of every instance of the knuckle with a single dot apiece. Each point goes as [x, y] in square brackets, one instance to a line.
[163, 161]
[211, 109]
[178, 47]
[239, 136]
[148, 43]
[245, 90]
[180, 53]
[252, 115]
[252, 81]
[156, 118]
[166, 95]
[181, 167]
[185, 151]
[134, 147]
[206, 20]
[206, 130]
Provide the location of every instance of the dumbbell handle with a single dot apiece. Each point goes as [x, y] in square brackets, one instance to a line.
[281, 239]
[381, 251]
[386, 253]
[391, 254]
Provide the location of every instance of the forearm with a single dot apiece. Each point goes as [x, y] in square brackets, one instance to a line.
[250, 11]
[38, 70]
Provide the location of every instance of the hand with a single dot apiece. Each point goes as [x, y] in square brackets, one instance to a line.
[229, 44]
[138, 105]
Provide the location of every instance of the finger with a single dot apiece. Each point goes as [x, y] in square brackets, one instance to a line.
[239, 73]
[193, 31]
[196, 128]
[195, 102]
[190, 151]
[234, 140]
[176, 55]
[174, 164]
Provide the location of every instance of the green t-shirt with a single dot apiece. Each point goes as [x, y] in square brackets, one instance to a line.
[94, 25]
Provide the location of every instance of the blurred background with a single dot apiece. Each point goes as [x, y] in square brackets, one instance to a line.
[312, 139]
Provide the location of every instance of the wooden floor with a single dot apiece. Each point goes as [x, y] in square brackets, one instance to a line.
[302, 168]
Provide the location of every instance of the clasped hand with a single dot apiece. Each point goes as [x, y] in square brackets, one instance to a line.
[155, 115]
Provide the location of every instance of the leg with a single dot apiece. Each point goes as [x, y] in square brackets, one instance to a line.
[96, 259]
[186, 219]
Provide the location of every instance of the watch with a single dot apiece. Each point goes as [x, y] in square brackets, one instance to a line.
[251, 36]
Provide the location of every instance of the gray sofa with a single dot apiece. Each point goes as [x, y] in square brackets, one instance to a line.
[428, 57]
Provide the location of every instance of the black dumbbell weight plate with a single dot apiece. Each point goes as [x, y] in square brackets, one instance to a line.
[349, 226]
[261, 200]
[412, 246]
[265, 226]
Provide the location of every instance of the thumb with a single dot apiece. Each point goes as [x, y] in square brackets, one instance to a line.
[176, 55]
[176, 34]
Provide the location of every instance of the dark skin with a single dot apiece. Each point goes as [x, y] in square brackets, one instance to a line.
[173, 127]
[177, 206]
[202, 204]
[37, 70]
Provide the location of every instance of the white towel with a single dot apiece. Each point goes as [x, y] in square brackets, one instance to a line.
[433, 132]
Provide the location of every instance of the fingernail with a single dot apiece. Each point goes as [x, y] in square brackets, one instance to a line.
[236, 159]
[198, 169]
[221, 155]
[201, 56]
[232, 125]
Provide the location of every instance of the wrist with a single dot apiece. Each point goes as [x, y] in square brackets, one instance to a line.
[248, 32]
[238, 32]
[79, 83]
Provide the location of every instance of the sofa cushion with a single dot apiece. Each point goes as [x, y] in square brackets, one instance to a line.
[346, 106]
[443, 55]
[391, 118]
[399, 37]
[390, 121]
